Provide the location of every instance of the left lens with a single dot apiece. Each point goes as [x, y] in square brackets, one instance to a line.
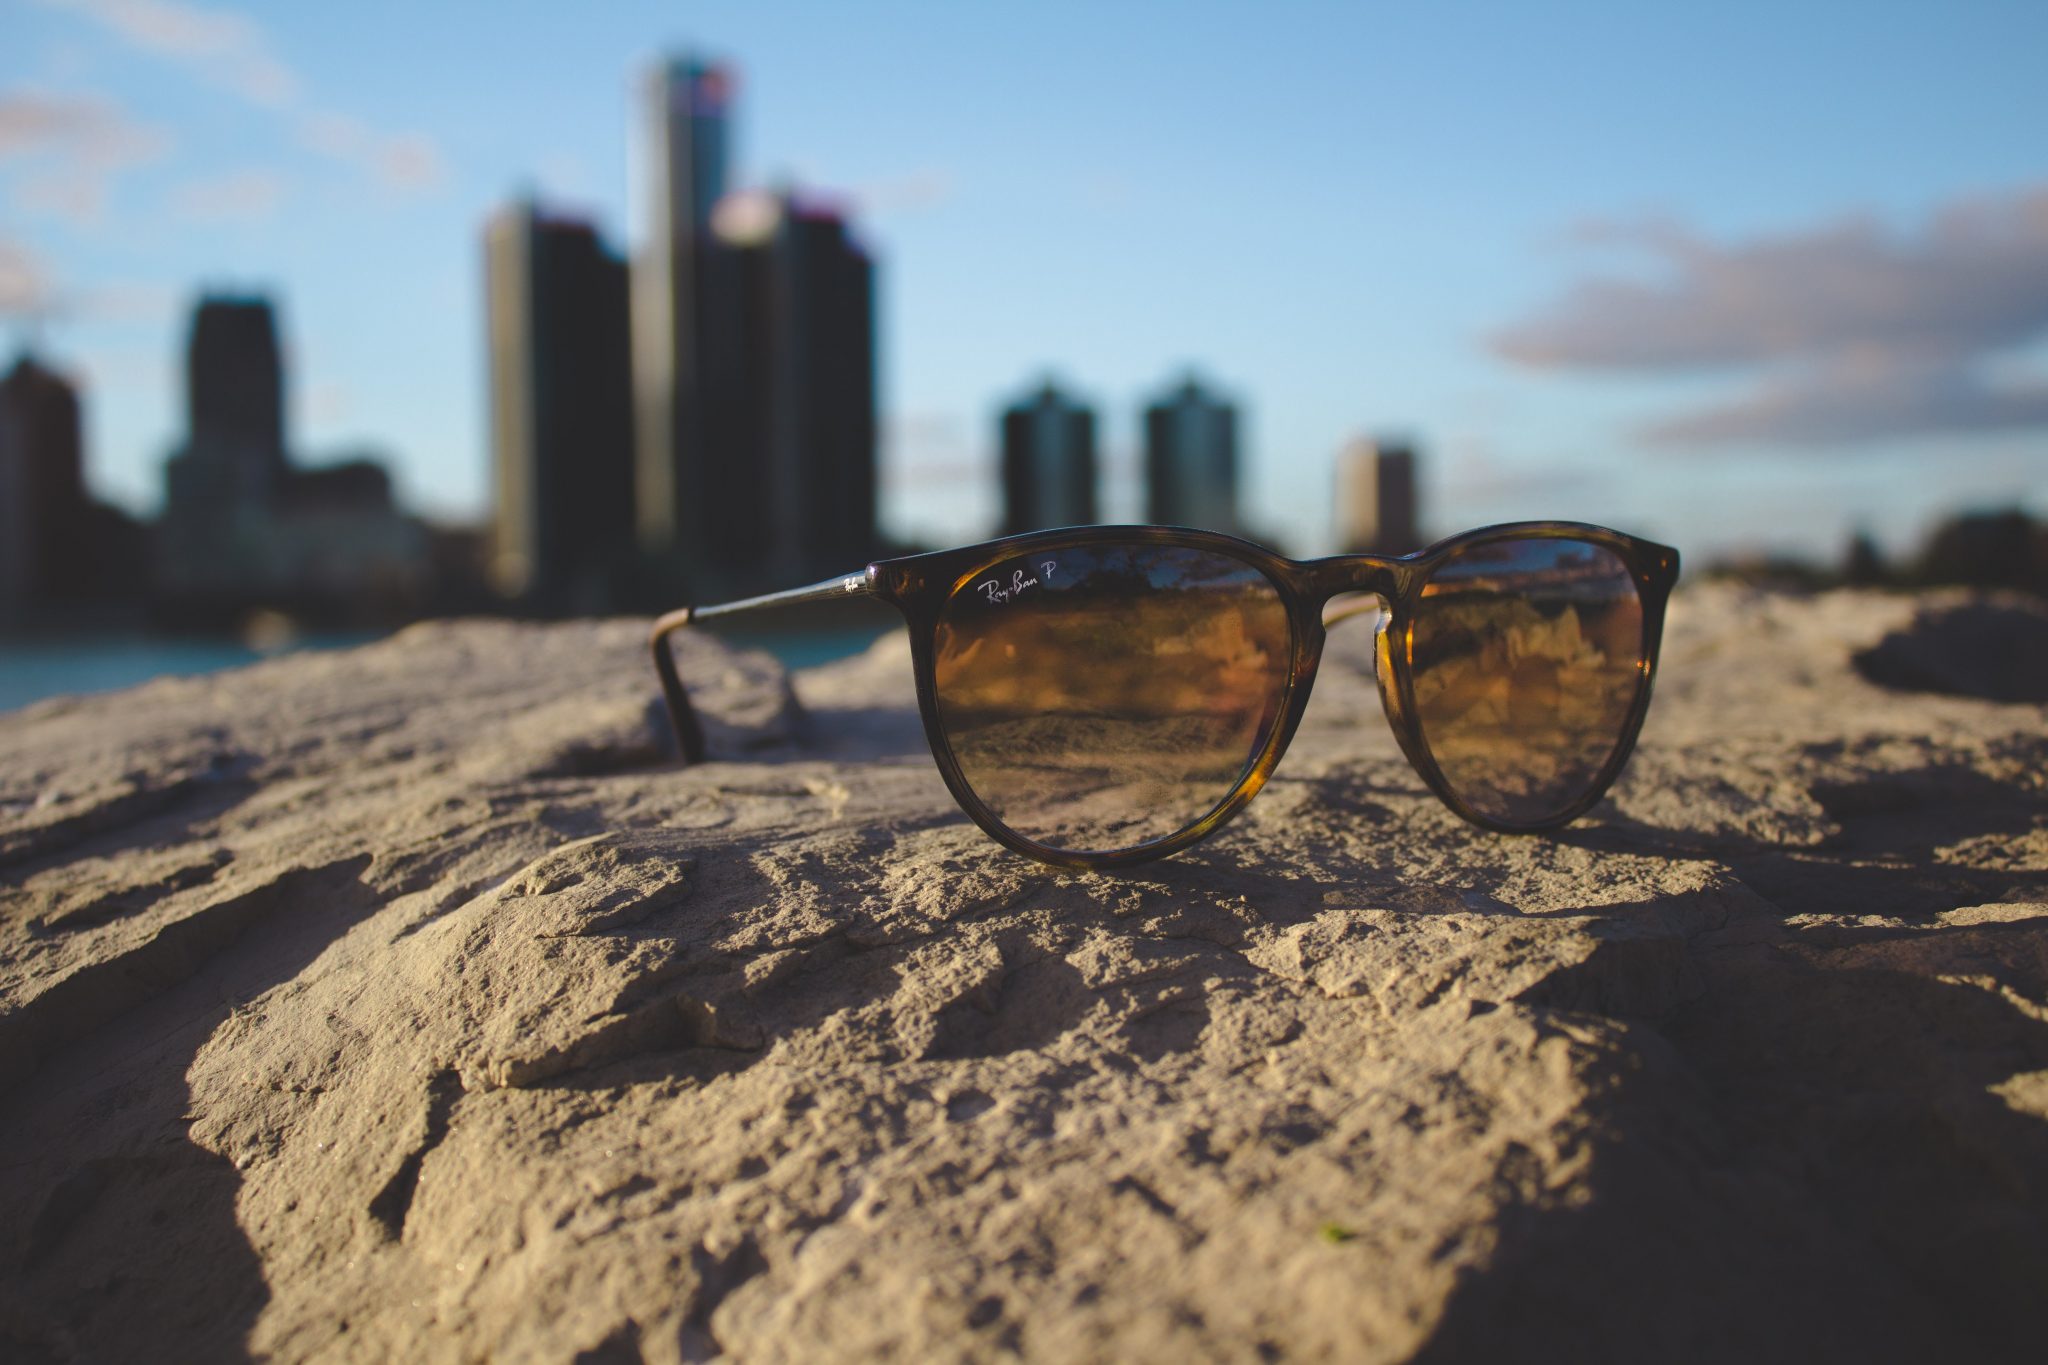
[1099, 697]
[1527, 657]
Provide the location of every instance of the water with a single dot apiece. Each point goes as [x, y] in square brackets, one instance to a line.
[33, 670]
[803, 648]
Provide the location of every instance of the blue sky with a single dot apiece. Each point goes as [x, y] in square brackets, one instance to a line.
[1735, 276]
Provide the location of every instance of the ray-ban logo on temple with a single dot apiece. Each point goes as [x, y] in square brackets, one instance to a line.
[1138, 708]
[999, 590]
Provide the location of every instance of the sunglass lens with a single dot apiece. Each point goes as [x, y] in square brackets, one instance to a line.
[1528, 658]
[1100, 697]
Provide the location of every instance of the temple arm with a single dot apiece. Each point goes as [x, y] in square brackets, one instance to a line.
[689, 734]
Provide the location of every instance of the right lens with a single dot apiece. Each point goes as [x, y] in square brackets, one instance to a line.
[1527, 656]
[1099, 697]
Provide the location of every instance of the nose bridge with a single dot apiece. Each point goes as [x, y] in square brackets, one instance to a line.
[1356, 573]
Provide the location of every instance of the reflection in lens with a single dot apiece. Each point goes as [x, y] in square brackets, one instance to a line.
[1104, 696]
[1527, 661]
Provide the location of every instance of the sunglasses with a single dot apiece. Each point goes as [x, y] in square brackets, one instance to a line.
[1104, 695]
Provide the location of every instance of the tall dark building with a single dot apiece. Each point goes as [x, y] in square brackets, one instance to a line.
[561, 410]
[60, 549]
[753, 363]
[234, 381]
[1375, 501]
[1191, 459]
[45, 515]
[684, 116]
[1048, 462]
[242, 526]
[218, 486]
[792, 426]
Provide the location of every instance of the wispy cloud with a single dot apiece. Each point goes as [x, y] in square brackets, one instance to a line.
[227, 50]
[25, 287]
[68, 149]
[33, 122]
[30, 288]
[232, 52]
[238, 196]
[1476, 470]
[404, 162]
[1847, 333]
[911, 193]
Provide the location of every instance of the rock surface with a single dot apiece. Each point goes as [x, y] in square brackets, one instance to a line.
[410, 1003]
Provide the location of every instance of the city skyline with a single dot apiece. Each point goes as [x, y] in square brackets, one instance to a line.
[1414, 245]
[753, 358]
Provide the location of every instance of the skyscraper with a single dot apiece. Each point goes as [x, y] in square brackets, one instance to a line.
[561, 409]
[753, 362]
[791, 422]
[242, 526]
[684, 114]
[234, 398]
[45, 515]
[1376, 498]
[1048, 462]
[1191, 459]
[213, 540]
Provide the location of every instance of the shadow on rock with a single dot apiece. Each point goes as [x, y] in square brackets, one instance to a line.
[1813, 1158]
[1996, 649]
[123, 1239]
[1894, 854]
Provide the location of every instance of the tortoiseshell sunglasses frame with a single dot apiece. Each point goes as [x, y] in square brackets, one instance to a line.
[920, 586]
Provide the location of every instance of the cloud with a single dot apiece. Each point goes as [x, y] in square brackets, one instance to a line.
[1475, 470]
[233, 53]
[405, 162]
[238, 196]
[1846, 333]
[227, 50]
[131, 302]
[72, 147]
[912, 193]
[33, 122]
[28, 288]
[1864, 393]
[25, 286]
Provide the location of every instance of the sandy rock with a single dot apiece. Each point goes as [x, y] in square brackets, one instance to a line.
[411, 1004]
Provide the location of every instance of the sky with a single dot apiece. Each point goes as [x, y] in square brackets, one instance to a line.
[1744, 277]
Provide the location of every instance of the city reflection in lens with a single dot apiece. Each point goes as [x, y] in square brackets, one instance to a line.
[1527, 659]
[1101, 697]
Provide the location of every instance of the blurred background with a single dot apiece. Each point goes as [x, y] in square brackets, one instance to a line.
[317, 319]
